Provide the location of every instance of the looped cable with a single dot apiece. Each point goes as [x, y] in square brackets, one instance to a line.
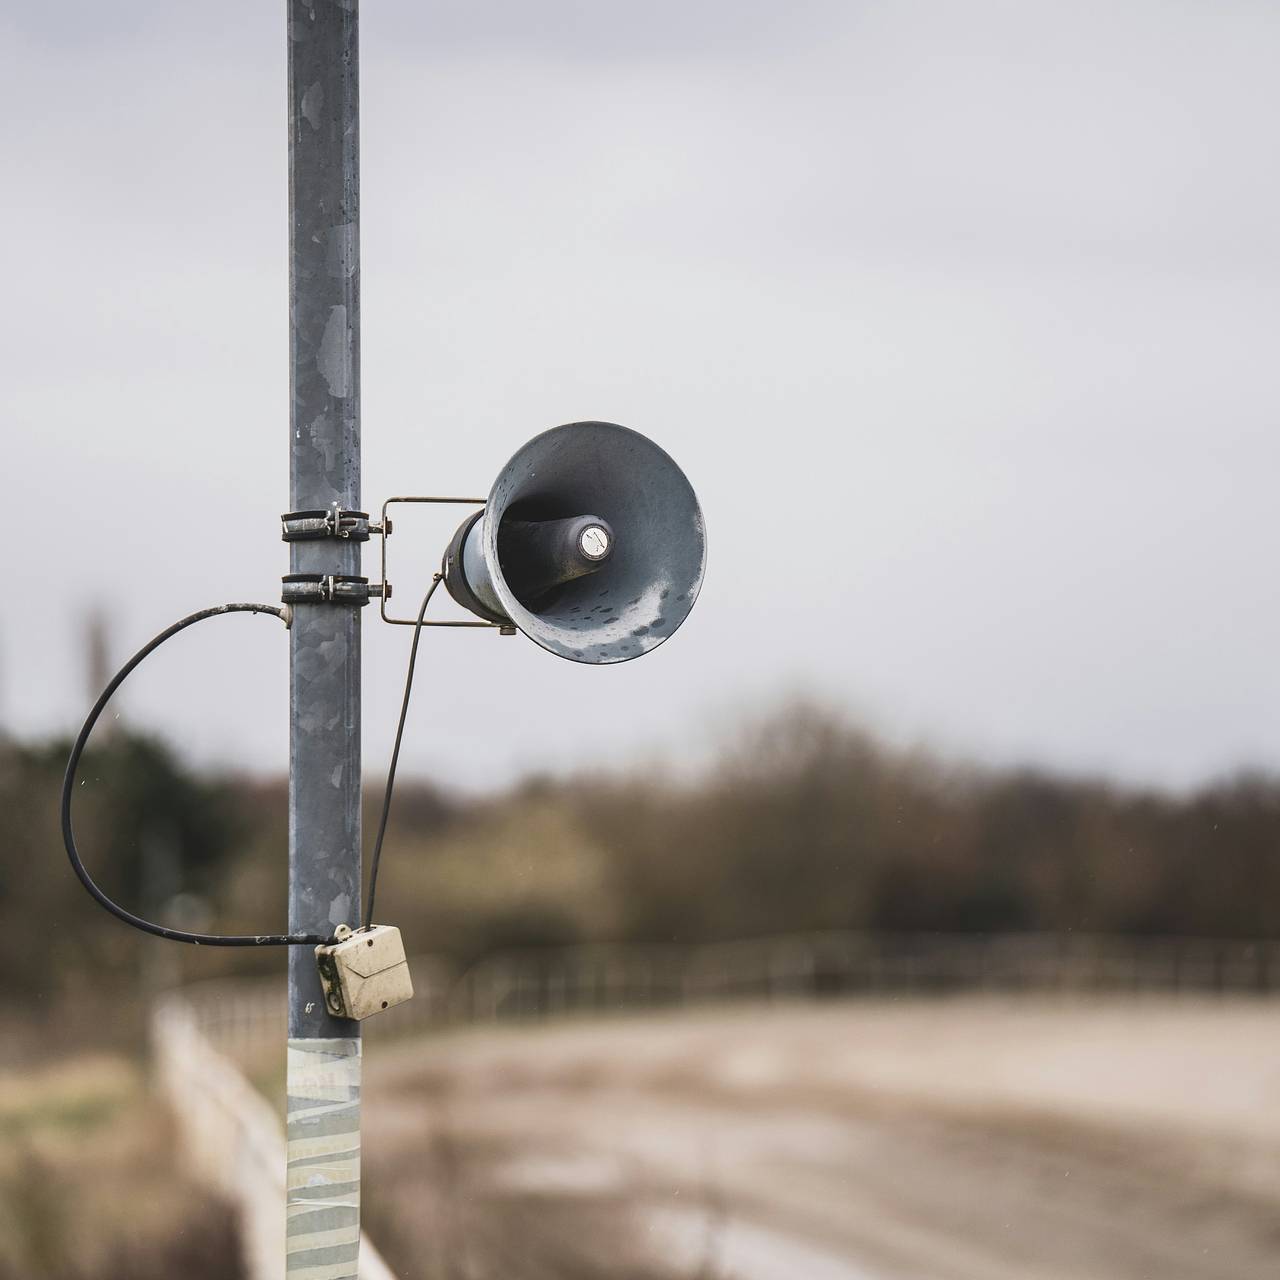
[68, 784]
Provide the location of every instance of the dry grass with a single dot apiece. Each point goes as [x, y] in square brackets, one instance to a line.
[88, 1184]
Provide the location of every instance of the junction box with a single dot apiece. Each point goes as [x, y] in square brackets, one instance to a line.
[364, 972]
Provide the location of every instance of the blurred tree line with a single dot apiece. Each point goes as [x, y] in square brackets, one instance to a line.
[156, 835]
[806, 822]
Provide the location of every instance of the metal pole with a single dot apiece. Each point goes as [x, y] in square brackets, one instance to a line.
[323, 1073]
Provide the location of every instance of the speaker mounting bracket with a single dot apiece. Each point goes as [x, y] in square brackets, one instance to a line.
[386, 527]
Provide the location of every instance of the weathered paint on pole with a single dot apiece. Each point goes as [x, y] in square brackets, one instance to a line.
[323, 1086]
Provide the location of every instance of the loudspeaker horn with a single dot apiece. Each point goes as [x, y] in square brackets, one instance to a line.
[591, 542]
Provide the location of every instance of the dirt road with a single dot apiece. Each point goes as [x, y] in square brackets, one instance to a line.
[917, 1140]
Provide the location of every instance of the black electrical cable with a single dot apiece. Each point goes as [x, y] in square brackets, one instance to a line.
[68, 784]
[395, 754]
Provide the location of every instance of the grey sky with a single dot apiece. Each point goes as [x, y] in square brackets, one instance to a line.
[961, 319]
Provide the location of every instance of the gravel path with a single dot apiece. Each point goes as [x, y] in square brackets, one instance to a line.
[914, 1140]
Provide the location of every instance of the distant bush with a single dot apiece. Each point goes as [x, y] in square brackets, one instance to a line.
[810, 823]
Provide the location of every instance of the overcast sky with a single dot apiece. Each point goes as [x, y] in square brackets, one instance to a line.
[961, 318]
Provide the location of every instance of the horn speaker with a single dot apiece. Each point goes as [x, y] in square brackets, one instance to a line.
[591, 542]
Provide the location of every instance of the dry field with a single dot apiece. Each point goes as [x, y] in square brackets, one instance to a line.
[964, 1139]
[90, 1184]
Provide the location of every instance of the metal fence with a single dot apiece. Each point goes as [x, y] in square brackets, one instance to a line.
[231, 1136]
[241, 1017]
[547, 982]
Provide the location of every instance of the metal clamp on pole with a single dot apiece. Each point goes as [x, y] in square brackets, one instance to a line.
[308, 526]
[329, 588]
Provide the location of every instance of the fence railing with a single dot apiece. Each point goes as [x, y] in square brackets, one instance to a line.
[232, 1137]
[547, 982]
[242, 1016]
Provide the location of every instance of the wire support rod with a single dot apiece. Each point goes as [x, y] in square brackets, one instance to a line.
[376, 857]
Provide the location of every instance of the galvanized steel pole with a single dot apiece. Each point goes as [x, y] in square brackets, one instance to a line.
[323, 1086]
